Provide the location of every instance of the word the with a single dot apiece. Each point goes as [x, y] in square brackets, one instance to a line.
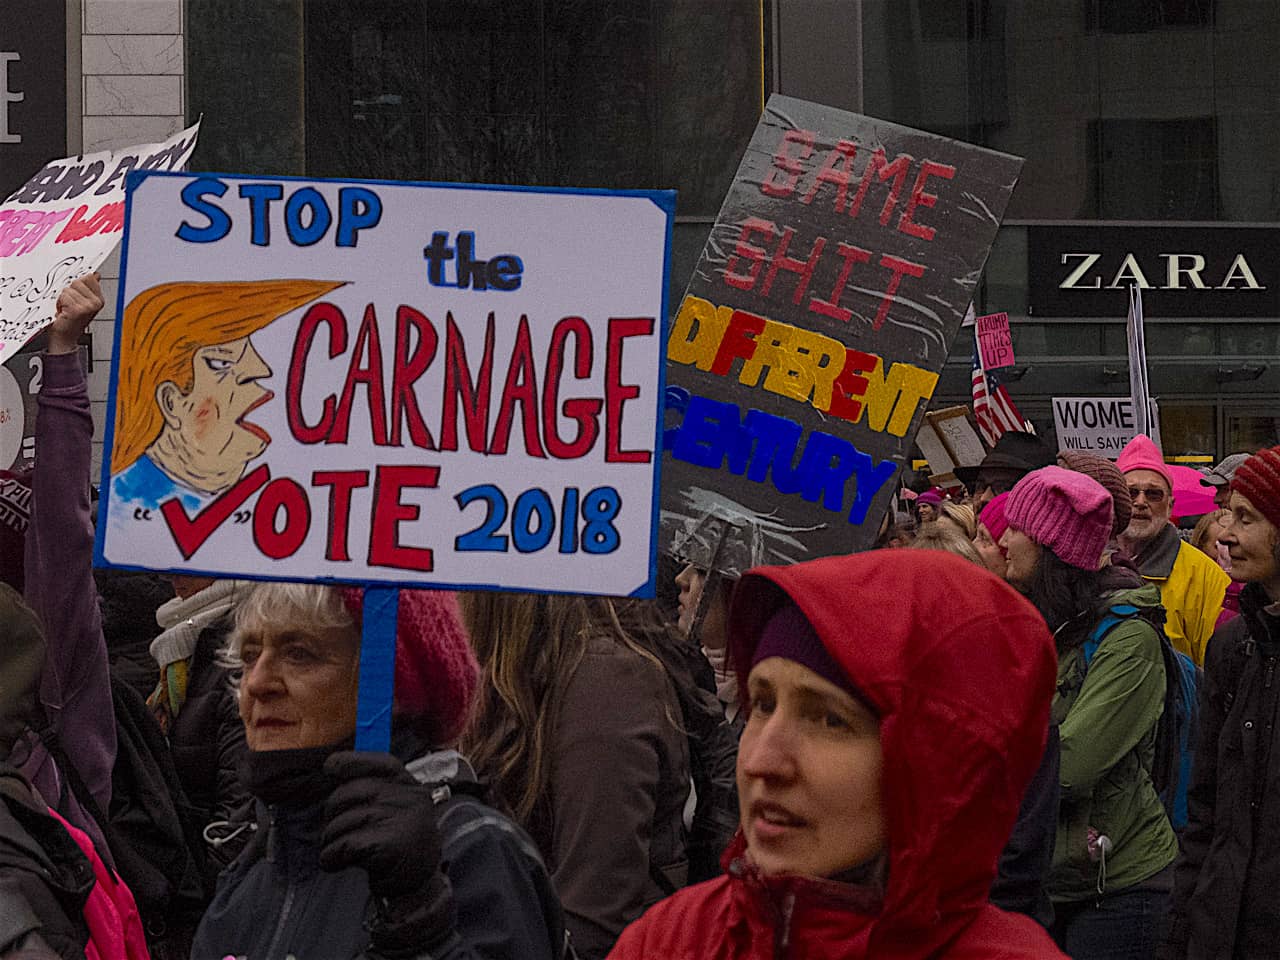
[307, 217]
[800, 364]
[1239, 275]
[395, 416]
[282, 516]
[501, 273]
[533, 520]
[764, 447]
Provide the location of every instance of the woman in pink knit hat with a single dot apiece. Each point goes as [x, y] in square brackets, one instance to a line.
[388, 854]
[1111, 873]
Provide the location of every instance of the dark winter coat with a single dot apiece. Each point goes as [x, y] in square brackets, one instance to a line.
[618, 787]
[1020, 880]
[207, 742]
[276, 901]
[44, 877]
[1226, 900]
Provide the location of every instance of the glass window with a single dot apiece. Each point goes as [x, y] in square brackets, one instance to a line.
[1154, 169]
[1164, 339]
[1142, 16]
[1188, 430]
[598, 93]
[1248, 430]
[1249, 339]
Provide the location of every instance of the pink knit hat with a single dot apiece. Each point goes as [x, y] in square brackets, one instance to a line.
[436, 672]
[1065, 511]
[993, 516]
[1141, 453]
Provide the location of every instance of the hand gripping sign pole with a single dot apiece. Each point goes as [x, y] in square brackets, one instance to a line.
[390, 386]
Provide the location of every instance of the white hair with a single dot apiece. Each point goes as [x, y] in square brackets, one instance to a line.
[306, 607]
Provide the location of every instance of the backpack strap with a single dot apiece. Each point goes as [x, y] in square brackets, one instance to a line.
[1114, 616]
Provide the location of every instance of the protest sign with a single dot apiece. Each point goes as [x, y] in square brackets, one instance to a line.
[818, 318]
[1101, 425]
[62, 224]
[995, 341]
[386, 383]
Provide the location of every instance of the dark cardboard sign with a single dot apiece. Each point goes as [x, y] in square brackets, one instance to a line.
[815, 325]
[1193, 271]
[33, 91]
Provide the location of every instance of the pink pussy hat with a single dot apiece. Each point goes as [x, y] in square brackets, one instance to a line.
[1141, 453]
[1064, 511]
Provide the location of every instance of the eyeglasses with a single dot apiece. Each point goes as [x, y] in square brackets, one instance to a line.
[1152, 494]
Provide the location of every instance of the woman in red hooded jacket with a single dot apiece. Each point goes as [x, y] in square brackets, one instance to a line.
[893, 729]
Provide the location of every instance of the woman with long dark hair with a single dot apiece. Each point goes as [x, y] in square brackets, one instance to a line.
[1110, 879]
[578, 729]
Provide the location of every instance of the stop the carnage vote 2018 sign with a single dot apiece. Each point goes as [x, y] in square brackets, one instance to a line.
[387, 383]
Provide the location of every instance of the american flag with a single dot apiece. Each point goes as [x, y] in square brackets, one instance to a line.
[992, 406]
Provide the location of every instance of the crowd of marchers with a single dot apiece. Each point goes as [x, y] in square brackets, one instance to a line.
[1044, 729]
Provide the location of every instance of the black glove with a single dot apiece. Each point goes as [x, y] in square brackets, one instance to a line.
[379, 818]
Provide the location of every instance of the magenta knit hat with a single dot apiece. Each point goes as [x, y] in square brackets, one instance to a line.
[993, 516]
[1141, 453]
[930, 496]
[436, 672]
[1258, 481]
[790, 635]
[1065, 511]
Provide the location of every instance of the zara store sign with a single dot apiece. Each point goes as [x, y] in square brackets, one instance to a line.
[1200, 271]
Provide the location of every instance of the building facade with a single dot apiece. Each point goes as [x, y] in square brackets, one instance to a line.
[1147, 127]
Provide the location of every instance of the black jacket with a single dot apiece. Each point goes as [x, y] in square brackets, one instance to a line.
[276, 901]
[1225, 901]
[1024, 863]
[44, 877]
[207, 736]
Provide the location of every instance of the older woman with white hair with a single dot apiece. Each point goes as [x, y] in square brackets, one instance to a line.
[368, 853]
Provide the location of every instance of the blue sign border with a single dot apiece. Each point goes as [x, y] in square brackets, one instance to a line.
[664, 200]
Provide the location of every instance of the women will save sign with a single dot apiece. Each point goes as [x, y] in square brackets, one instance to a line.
[387, 383]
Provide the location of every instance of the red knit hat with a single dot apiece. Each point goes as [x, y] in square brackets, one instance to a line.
[436, 672]
[1065, 511]
[1258, 481]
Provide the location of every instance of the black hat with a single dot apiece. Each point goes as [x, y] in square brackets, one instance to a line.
[1015, 451]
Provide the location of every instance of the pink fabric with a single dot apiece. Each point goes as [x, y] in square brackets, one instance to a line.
[1065, 511]
[993, 517]
[436, 672]
[115, 928]
[1142, 454]
[1191, 498]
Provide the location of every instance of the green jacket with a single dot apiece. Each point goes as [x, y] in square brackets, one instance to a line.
[1107, 720]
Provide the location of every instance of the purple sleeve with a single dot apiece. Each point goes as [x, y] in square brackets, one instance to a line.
[75, 688]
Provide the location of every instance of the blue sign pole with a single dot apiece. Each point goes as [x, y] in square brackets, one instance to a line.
[377, 668]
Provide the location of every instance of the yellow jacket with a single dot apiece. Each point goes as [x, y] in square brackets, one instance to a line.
[1192, 587]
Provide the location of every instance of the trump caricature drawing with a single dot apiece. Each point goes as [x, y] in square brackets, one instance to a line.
[191, 383]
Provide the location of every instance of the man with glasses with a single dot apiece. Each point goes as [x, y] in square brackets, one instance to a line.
[1014, 456]
[1191, 585]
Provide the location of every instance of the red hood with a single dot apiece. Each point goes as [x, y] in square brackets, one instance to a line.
[961, 670]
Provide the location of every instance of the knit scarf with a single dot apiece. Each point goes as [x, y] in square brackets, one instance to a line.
[726, 681]
[181, 622]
